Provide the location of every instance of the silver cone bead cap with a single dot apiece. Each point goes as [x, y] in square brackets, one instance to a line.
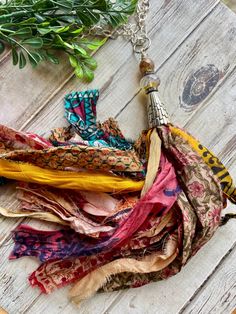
[157, 114]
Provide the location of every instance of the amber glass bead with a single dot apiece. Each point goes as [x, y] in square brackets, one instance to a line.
[146, 66]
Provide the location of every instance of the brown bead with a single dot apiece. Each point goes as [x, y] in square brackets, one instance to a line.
[146, 66]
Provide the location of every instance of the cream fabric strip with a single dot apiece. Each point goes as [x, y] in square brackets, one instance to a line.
[88, 285]
[153, 161]
[39, 215]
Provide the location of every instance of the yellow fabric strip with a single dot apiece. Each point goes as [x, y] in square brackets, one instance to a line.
[212, 161]
[85, 181]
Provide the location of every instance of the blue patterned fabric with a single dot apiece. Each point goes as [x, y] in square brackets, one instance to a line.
[80, 111]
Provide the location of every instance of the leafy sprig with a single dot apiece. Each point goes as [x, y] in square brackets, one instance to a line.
[36, 29]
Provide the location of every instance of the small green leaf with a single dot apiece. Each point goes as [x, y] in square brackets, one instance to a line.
[25, 31]
[68, 45]
[91, 63]
[38, 56]
[88, 17]
[14, 56]
[79, 71]
[22, 61]
[77, 31]
[61, 29]
[73, 61]
[88, 74]
[80, 50]
[66, 19]
[39, 18]
[66, 5]
[28, 21]
[33, 61]
[44, 31]
[44, 24]
[34, 42]
[53, 59]
[2, 47]
[95, 44]
[63, 43]
[47, 41]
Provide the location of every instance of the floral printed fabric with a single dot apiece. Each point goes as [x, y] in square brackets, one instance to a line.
[198, 205]
[50, 245]
[122, 240]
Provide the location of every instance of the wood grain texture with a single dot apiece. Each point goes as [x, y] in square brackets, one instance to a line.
[219, 293]
[192, 35]
[170, 296]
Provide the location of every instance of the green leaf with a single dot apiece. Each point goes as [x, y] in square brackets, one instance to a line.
[73, 61]
[67, 19]
[78, 31]
[40, 18]
[44, 31]
[44, 24]
[33, 61]
[95, 44]
[80, 50]
[91, 63]
[14, 56]
[47, 41]
[2, 47]
[22, 61]
[28, 21]
[62, 29]
[53, 59]
[66, 5]
[88, 17]
[79, 71]
[25, 31]
[63, 43]
[38, 56]
[67, 45]
[34, 42]
[119, 11]
[88, 74]
[59, 40]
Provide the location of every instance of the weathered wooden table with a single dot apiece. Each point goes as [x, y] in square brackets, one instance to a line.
[194, 49]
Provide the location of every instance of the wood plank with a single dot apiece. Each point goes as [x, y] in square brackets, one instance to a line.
[218, 295]
[39, 306]
[23, 90]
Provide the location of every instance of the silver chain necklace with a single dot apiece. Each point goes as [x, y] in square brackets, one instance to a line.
[135, 32]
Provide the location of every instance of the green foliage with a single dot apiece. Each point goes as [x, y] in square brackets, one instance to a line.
[35, 29]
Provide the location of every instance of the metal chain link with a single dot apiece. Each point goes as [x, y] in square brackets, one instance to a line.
[136, 32]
